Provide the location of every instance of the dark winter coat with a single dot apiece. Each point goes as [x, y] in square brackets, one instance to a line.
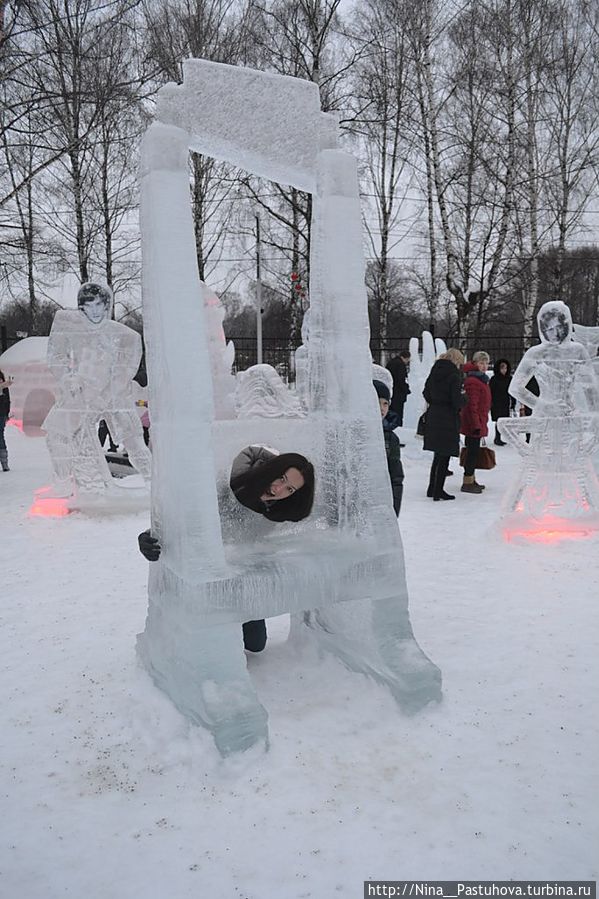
[475, 415]
[4, 400]
[499, 385]
[399, 372]
[445, 396]
[394, 464]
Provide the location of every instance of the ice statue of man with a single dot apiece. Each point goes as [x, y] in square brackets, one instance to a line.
[557, 492]
[94, 360]
[561, 366]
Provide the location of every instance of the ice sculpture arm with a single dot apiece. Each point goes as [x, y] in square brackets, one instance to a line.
[149, 546]
[523, 374]
[60, 355]
[588, 376]
[248, 457]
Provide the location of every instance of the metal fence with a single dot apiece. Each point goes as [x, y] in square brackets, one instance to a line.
[278, 351]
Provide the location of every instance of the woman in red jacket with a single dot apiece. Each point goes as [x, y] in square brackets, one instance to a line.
[475, 415]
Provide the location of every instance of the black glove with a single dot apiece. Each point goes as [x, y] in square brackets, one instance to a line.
[149, 546]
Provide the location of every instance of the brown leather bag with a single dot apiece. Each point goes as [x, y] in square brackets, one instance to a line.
[485, 458]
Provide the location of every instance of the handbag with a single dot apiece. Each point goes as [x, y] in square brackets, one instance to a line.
[485, 458]
[421, 425]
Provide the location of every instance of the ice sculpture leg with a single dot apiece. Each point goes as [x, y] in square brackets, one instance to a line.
[375, 637]
[75, 452]
[126, 428]
[203, 668]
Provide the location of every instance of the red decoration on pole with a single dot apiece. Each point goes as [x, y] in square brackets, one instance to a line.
[294, 276]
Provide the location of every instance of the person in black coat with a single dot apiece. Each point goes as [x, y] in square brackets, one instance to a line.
[398, 366]
[392, 446]
[4, 413]
[501, 402]
[444, 393]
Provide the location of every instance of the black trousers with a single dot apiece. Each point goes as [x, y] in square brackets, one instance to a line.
[472, 448]
[103, 433]
[254, 635]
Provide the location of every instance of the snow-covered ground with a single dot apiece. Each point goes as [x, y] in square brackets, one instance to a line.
[108, 793]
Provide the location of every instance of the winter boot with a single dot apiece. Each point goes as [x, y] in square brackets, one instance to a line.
[438, 491]
[431, 482]
[480, 486]
[470, 485]
[4, 460]
[498, 441]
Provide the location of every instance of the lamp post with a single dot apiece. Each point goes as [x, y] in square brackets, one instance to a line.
[258, 296]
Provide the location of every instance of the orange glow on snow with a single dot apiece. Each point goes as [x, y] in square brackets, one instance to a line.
[550, 530]
[49, 506]
[16, 423]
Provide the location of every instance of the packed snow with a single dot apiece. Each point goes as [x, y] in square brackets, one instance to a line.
[110, 793]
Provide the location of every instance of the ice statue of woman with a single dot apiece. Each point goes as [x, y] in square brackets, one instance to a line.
[559, 364]
[557, 491]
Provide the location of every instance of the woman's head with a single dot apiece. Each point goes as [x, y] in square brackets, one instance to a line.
[281, 489]
[502, 367]
[454, 355]
[481, 360]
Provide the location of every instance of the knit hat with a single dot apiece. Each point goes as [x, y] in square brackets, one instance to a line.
[382, 390]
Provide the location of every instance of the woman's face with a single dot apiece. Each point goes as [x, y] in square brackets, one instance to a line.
[482, 365]
[503, 369]
[283, 487]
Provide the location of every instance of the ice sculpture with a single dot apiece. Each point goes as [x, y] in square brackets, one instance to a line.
[261, 393]
[380, 373]
[557, 492]
[420, 366]
[301, 362]
[34, 390]
[222, 355]
[341, 572]
[93, 360]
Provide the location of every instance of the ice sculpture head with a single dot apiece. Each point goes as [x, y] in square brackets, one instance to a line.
[95, 301]
[555, 322]
[281, 489]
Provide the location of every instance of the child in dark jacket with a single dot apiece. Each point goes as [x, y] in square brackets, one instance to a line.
[392, 446]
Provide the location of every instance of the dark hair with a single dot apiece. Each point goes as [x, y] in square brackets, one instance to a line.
[497, 364]
[90, 291]
[249, 487]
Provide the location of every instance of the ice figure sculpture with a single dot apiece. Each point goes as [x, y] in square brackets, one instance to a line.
[222, 356]
[380, 373]
[420, 366]
[301, 362]
[93, 360]
[341, 572]
[557, 493]
[261, 393]
[34, 390]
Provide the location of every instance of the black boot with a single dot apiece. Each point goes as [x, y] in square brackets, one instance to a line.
[431, 481]
[498, 441]
[440, 475]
